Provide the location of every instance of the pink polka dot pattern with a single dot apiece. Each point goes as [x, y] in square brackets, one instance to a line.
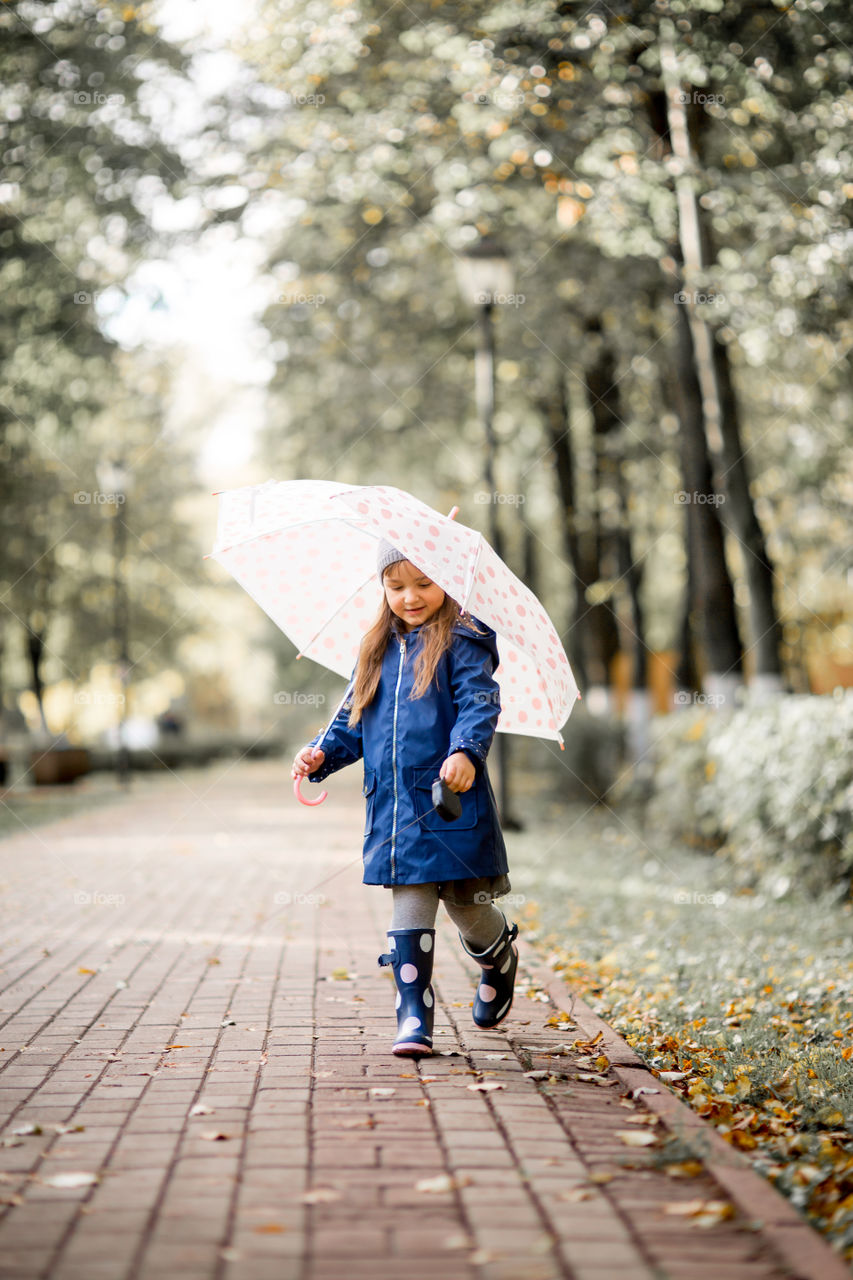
[305, 551]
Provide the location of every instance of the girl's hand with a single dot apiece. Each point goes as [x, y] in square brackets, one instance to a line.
[458, 772]
[306, 761]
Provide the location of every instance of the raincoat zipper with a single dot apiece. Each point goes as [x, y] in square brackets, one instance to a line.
[394, 756]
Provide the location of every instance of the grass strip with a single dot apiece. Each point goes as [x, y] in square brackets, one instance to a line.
[741, 1001]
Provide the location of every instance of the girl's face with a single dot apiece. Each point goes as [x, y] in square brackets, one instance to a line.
[411, 595]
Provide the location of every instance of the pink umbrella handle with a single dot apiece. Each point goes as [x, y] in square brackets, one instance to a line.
[302, 799]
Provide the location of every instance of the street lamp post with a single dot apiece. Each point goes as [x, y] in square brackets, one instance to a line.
[484, 274]
[114, 479]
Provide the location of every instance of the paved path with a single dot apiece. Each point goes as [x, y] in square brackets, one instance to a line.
[193, 1016]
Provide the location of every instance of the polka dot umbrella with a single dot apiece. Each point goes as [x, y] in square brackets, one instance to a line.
[305, 551]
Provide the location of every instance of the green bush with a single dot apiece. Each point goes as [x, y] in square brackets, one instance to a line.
[680, 754]
[769, 784]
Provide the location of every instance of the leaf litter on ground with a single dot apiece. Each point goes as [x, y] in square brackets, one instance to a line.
[739, 1002]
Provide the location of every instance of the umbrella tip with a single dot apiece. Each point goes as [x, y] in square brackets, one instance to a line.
[452, 513]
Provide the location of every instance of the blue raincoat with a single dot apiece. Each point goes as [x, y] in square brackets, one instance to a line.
[404, 742]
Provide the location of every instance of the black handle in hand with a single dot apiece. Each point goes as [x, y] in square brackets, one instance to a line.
[445, 802]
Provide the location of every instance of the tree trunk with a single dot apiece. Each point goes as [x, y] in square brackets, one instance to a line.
[765, 627]
[35, 652]
[604, 402]
[631, 575]
[711, 602]
[722, 426]
[555, 413]
[686, 675]
[599, 548]
[602, 391]
[594, 637]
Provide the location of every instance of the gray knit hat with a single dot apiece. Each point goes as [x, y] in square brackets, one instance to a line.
[386, 555]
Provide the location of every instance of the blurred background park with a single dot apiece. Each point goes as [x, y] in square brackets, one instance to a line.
[581, 269]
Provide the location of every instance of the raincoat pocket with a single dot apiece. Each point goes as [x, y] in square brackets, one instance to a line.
[422, 780]
[369, 792]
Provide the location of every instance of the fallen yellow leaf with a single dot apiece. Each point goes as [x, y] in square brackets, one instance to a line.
[444, 1182]
[636, 1137]
[585, 1046]
[69, 1179]
[684, 1169]
[685, 1208]
[577, 1193]
[702, 1213]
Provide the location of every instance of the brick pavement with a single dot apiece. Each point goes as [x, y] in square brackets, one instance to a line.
[192, 1016]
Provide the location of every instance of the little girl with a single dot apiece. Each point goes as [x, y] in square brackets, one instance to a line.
[424, 705]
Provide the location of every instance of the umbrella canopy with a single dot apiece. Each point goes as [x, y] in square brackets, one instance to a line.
[305, 550]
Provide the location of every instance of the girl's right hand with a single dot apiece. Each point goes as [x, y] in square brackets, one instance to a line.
[307, 761]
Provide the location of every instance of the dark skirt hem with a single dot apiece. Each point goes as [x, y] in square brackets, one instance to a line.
[473, 891]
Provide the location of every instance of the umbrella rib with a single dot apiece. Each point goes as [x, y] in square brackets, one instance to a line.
[303, 651]
[480, 545]
[300, 524]
[338, 709]
[542, 685]
[473, 576]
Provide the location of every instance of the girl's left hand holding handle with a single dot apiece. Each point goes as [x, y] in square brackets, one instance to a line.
[458, 772]
[307, 761]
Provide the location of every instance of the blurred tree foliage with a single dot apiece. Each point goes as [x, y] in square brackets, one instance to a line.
[399, 134]
[370, 147]
[82, 166]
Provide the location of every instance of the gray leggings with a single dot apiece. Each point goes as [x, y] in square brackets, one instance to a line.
[415, 907]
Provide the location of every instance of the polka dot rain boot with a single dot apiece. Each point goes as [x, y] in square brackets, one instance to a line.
[499, 962]
[410, 956]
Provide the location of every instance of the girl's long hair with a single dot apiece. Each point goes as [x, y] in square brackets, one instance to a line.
[437, 638]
